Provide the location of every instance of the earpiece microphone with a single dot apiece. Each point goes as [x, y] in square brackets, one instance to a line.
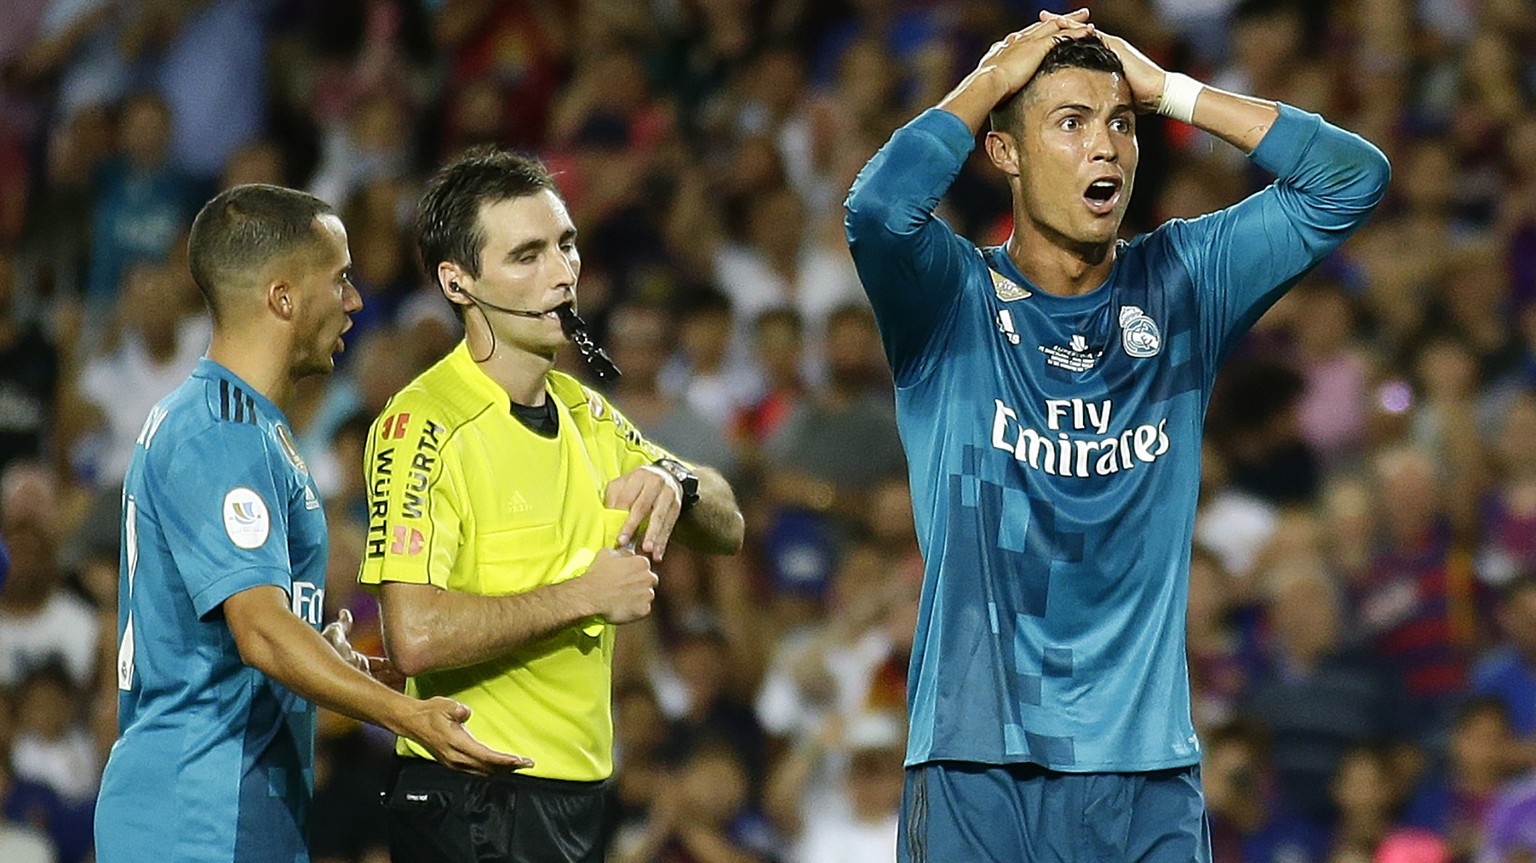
[522, 313]
[575, 329]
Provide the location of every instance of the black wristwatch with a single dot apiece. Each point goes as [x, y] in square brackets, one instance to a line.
[687, 479]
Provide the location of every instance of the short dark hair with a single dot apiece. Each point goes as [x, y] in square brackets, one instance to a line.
[1089, 52]
[243, 228]
[448, 220]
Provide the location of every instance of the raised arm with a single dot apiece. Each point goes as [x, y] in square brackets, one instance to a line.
[911, 264]
[1244, 257]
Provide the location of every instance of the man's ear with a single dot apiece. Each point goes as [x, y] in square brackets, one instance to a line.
[454, 283]
[1003, 150]
[280, 298]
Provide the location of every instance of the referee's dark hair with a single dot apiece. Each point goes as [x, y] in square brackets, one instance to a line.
[1089, 52]
[241, 230]
[448, 220]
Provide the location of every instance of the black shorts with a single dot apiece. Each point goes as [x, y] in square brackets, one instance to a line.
[439, 815]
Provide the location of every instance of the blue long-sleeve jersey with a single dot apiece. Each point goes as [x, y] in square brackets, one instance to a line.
[1054, 443]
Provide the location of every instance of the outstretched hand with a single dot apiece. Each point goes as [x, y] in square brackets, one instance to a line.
[438, 724]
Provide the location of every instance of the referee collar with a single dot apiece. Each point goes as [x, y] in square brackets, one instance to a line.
[479, 383]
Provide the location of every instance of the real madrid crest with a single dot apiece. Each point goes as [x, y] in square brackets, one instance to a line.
[1138, 333]
[290, 449]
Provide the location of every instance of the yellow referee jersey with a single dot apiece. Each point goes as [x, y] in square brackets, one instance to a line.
[463, 496]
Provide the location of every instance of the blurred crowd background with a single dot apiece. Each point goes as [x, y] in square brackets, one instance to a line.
[1362, 632]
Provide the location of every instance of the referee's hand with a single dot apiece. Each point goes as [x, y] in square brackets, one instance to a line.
[654, 499]
[438, 724]
[619, 586]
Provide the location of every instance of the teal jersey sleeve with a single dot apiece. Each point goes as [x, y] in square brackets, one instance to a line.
[1247, 256]
[910, 262]
[224, 514]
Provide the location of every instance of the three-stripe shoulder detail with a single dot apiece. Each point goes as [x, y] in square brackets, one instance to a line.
[235, 404]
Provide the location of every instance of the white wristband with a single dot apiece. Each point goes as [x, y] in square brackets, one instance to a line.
[1179, 94]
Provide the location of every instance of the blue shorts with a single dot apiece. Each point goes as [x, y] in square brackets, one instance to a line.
[1023, 813]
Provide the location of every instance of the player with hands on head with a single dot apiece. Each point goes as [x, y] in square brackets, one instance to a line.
[514, 517]
[1050, 397]
[220, 660]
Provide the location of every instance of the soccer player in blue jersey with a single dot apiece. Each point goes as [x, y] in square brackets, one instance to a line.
[220, 661]
[1050, 395]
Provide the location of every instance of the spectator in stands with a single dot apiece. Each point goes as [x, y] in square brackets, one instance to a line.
[29, 376]
[1508, 672]
[835, 796]
[1365, 793]
[1417, 604]
[1454, 798]
[1507, 523]
[143, 203]
[707, 818]
[703, 373]
[639, 341]
[1319, 699]
[1250, 822]
[54, 753]
[163, 337]
[842, 442]
[40, 621]
[21, 840]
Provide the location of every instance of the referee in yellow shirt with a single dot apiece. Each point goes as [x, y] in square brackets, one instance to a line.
[504, 496]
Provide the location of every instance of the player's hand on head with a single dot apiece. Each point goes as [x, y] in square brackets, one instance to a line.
[438, 724]
[620, 585]
[654, 499]
[1144, 76]
[1016, 56]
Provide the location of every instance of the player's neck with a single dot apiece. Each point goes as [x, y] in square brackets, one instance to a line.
[515, 370]
[1059, 268]
[253, 360]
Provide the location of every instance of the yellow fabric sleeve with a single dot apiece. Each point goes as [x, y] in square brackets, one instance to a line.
[413, 499]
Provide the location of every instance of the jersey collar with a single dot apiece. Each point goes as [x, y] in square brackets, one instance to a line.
[997, 258]
[478, 382]
[215, 371]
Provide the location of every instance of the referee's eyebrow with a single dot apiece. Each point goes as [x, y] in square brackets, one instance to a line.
[538, 244]
[535, 245]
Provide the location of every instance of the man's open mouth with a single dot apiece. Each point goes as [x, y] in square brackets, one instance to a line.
[1102, 195]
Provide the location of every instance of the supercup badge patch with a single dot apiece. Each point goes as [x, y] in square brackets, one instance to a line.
[245, 518]
[1138, 333]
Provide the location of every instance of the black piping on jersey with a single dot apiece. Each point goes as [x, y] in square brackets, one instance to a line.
[235, 405]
